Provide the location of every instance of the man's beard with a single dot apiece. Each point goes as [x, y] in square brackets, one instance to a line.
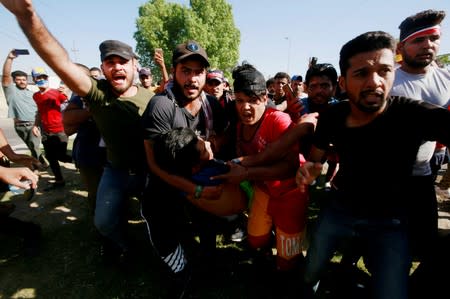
[417, 64]
[120, 90]
[369, 108]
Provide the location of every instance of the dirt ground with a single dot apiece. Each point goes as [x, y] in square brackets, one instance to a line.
[69, 264]
[443, 208]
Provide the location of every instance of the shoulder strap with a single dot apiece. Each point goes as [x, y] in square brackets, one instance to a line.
[208, 114]
[168, 92]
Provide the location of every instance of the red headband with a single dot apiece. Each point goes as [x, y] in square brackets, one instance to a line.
[422, 32]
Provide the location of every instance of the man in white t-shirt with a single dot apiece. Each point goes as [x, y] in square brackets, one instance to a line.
[420, 78]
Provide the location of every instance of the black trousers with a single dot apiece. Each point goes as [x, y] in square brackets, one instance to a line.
[172, 221]
[422, 216]
[55, 146]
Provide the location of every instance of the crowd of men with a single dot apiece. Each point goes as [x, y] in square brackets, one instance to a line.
[376, 126]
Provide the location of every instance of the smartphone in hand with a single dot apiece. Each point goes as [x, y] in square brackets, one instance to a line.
[288, 91]
[18, 52]
[294, 105]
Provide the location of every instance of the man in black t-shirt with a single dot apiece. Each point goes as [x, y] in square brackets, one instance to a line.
[182, 104]
[368, 199]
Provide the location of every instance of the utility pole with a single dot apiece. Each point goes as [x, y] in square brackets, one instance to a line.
[74, 51]
[288, 54]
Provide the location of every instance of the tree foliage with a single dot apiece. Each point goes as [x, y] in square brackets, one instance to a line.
[164, 25]
[444, 59]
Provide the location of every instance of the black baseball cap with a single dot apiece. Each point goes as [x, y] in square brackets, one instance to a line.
[249, 80]
[188, 49]
[115, 47]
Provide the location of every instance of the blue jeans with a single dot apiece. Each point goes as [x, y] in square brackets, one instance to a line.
[387, 249]
[114, 190]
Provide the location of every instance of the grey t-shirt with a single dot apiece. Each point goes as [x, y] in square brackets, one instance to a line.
[432, 87]
[21, 105]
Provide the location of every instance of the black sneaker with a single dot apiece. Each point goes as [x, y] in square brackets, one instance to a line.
[179, 284]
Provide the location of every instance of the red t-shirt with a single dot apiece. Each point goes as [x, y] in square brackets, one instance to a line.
[49, 107]
[274, 124]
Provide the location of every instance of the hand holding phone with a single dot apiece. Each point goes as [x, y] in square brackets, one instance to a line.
[18, 52]
[289, 93]
[294, 105]
[159, 56]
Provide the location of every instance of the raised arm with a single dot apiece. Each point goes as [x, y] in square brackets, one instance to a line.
[6, 74]
[17, 176]
[159, 59]
[48, 48]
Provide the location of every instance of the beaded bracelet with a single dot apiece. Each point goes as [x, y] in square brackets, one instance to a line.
[198, 191]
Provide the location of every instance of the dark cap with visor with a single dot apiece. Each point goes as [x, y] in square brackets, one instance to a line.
[117, 48]
[249, 80]
[189, 49]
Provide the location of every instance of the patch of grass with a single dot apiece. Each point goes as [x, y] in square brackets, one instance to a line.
[69, 264]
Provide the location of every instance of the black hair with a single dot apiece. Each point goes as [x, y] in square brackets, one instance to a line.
[322, 69]
[94, 68]
[281, 75]
[19, 74]
[366, 42]
[176, 151]
[270, 81]
[420, 21]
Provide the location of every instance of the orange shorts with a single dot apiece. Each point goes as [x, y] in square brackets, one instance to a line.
[286, 213]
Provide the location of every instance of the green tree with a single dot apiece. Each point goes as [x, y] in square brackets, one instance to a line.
[444, 59]
[164, 25]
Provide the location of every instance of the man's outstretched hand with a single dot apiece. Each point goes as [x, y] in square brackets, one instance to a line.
[21, 177]
[307, 173]
[20, 8]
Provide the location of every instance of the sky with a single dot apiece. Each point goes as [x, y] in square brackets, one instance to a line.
[275, 35]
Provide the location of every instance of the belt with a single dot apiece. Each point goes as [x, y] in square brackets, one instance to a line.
[24, 123]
